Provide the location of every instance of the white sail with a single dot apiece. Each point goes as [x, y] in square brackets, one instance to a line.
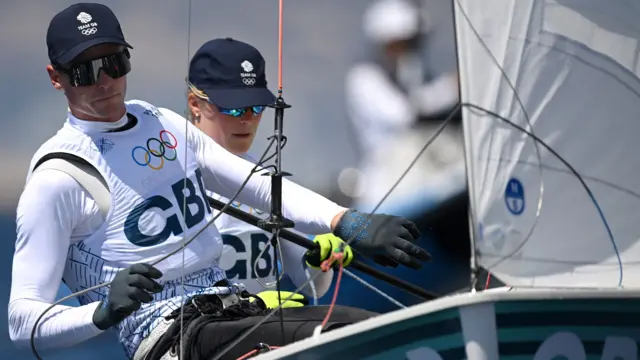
[574, 65]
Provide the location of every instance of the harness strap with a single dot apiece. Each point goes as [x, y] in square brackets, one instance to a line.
[84, 173]
[197, 312]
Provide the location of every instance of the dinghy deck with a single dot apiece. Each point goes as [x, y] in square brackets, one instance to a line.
[489, 325]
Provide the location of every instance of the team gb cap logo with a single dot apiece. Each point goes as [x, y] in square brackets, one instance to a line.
[247, 66]
[84, 18]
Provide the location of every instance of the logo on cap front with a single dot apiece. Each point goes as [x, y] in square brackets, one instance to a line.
[84, 18]
[88, 27]
[248, 77]
[247, 66]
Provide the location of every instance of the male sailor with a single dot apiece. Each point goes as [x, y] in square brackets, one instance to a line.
[156, 167]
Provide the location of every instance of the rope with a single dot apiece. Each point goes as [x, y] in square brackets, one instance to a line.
[336, 255]
[255, 352]
[375, 289]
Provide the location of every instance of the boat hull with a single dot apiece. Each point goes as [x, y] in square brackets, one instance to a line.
[496, 324]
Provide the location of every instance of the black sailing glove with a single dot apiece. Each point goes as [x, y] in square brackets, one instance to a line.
[129, 289]
[387, 239]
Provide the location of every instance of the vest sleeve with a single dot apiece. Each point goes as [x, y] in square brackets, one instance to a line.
[50, 206]
[224, 173]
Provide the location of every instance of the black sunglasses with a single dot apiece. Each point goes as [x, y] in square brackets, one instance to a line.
[86, 73]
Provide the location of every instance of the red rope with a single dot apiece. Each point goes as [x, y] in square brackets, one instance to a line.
[280, 29]
[325, 266]
[247, 355]
[486, 285]
[335, 256]
[254, 351]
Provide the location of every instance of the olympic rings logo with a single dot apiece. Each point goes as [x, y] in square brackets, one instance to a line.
[249, 81]
[89, 31]
[156, 148]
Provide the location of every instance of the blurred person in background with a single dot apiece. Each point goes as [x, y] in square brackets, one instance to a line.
[395, 103]
[394, 109]
[230, 113]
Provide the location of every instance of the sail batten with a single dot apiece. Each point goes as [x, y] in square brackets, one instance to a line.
[574, 66]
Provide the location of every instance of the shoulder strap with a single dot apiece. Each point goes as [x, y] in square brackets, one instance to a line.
[86, 175]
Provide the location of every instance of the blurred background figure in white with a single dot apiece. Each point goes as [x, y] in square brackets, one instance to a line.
[395, 103]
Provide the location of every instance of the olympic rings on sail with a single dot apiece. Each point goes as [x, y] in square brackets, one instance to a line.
[156, 148]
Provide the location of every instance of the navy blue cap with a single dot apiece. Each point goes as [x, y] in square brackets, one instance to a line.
[231, 73]
[79, 27]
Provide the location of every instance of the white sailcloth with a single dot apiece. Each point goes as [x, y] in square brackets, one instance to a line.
[574, 65]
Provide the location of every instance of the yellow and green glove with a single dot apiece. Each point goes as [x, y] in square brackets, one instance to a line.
[328, 243]
[270, 299]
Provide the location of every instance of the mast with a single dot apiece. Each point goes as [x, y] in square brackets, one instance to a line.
[276, 221]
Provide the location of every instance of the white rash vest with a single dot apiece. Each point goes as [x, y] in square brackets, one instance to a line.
[244, 244]
[61, 234]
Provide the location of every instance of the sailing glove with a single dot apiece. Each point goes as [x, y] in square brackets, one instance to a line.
[327, 244]
[129, 289]
[387, 239]
[270, 298]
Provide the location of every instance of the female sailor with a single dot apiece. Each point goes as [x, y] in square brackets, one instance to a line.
[229, 111]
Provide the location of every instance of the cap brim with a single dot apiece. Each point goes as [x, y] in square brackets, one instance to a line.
[80, 48]
[240, 98]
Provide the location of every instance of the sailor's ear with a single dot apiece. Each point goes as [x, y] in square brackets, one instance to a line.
[193, 106]
[55, 76]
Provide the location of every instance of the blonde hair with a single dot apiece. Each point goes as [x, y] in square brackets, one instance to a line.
[192, 89]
